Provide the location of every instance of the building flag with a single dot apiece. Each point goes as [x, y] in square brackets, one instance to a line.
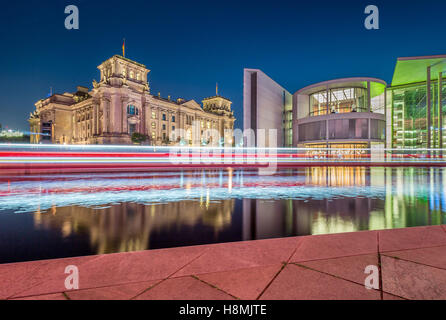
[123, 48]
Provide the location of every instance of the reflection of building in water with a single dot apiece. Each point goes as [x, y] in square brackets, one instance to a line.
[418, 197]
[411, 197]
[128, 227]
[338, 200]
[336, 176]
[267, 219]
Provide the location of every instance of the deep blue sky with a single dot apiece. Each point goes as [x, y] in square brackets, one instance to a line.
[190, 45]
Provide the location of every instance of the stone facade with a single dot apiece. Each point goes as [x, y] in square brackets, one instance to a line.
[119, 105]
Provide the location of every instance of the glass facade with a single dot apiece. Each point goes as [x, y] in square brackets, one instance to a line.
[410, 116]
[348, 129]
[342, 100]
[344, 150]
[287, 119]
[343, 129]
[313, 131]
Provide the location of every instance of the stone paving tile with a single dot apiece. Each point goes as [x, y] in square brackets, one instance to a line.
[53, 296]
[184, 288]
[411, 238]
[349, 268]
[298, 283]
[239, 255]
[246, 284]
[413, 281]
[336, 245]
[433, 256]
[121, 268]
[16, 278]
[244, 269]
[387, 296]
[121, 292]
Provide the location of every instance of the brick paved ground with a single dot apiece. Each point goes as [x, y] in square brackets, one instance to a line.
[412, 264]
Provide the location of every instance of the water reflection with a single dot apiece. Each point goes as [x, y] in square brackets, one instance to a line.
[128, 227]
[58, 216]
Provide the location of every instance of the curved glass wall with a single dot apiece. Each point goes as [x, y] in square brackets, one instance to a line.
[377, 97]
[340, 100]
[367, 96]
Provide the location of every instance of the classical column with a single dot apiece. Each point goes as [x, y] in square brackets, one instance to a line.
[123, 114]
[105, 114]
[74, 124]
[142, 116]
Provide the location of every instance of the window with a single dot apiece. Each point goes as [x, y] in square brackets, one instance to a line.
[138, 77]
[164, 127]
[153, 115]
[164, 117]
[124, 73]
[377, 129]
[131, 110]
[189, 135]
[131, 74]
[173, 128]
[153, 125]
[312, 131]
[209, 125]
[153, 135]
[348, 129]
[173, 118]
[340, 100]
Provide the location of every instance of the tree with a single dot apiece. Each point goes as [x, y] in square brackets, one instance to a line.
[138, 138]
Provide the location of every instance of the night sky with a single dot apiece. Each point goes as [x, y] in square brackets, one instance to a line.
[191, 45]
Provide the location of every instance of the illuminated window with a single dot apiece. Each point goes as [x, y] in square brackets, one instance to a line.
[153, 125]
[202, 124]
[131, 74]
[138, 76]
[153, 115]
[124, 73]
[209, 125]
[153, 135]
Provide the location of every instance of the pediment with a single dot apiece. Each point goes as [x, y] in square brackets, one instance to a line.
[192, 104]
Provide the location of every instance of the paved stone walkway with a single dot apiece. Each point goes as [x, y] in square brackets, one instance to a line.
[412, 265]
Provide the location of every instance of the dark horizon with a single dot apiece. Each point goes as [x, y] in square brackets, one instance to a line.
[191, 46]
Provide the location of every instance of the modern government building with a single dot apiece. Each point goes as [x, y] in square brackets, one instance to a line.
[354, 113]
